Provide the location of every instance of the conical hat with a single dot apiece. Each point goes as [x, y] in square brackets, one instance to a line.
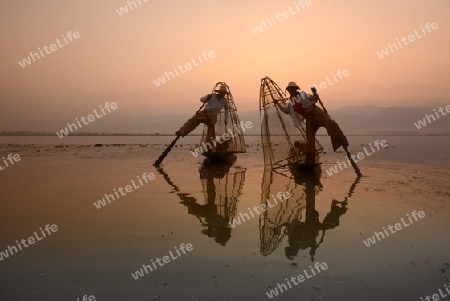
[292, 84]
[222, 89]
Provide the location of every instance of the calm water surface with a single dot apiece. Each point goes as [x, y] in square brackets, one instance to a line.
[324, 220]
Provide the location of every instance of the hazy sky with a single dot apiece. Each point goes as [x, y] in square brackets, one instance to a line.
[118, 58]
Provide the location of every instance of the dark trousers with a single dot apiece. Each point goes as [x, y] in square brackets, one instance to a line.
[205, 117]
[316, 118]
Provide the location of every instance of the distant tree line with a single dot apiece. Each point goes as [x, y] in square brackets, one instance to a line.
[384, 133]
[32, 133]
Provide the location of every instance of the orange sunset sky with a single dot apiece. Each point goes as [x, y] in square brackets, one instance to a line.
[117, 58]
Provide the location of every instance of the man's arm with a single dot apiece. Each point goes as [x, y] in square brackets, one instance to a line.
[307, 99]
[314, 98]
[283, 108]
[205, 98]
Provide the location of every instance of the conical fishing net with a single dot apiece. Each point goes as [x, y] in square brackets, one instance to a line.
[236, 143]
[282, 142]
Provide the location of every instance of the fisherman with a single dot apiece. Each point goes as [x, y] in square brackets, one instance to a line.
[214, 104]
[301, 105]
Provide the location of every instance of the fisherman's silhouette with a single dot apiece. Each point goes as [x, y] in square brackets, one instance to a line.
[221, 188]
[303, 233]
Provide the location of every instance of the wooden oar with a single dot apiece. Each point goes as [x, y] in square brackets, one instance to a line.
[164, 154]
[169, 148]
[355, 167]
[349, 156]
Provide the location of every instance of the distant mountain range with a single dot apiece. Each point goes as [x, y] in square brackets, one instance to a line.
[401, 120]
[354, 120]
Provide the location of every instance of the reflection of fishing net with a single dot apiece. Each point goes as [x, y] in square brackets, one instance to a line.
[221, 188]
[224, 190]
[236, 143]
[297, 217]
[274, 221]
[282, 142]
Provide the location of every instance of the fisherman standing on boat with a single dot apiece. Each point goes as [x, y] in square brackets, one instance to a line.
[214, 104]
[301, 105]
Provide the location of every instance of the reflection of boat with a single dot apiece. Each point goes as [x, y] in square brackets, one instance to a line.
[222, 186]
[297, 217]
[283, 143]
[232, 132]
[220, 157]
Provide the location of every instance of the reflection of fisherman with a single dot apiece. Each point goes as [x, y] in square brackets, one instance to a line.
[216, 224]
[214, 103]
[302, 105]
[303, 235]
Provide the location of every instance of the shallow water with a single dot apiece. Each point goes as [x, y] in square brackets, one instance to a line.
[325, 220]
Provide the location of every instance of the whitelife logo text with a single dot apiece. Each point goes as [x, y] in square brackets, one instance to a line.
[430, 118]
[361, 156]
[161, 261]
[11, 250]
[265, 24]
[391, 48]
[167, 76]
[11, 158]
[222, 139]
[146, 177]
[86, 120]
[398, 226]
[49, 49]
[131, 5]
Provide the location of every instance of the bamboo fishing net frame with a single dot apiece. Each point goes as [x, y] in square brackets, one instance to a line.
[270, 112]
[235, 144]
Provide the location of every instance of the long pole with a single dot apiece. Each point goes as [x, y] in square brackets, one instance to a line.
[349, 156]
[169, 148]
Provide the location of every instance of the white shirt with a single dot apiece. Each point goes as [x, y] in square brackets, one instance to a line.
[215, 104]
[297, 119]
[303, 97]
